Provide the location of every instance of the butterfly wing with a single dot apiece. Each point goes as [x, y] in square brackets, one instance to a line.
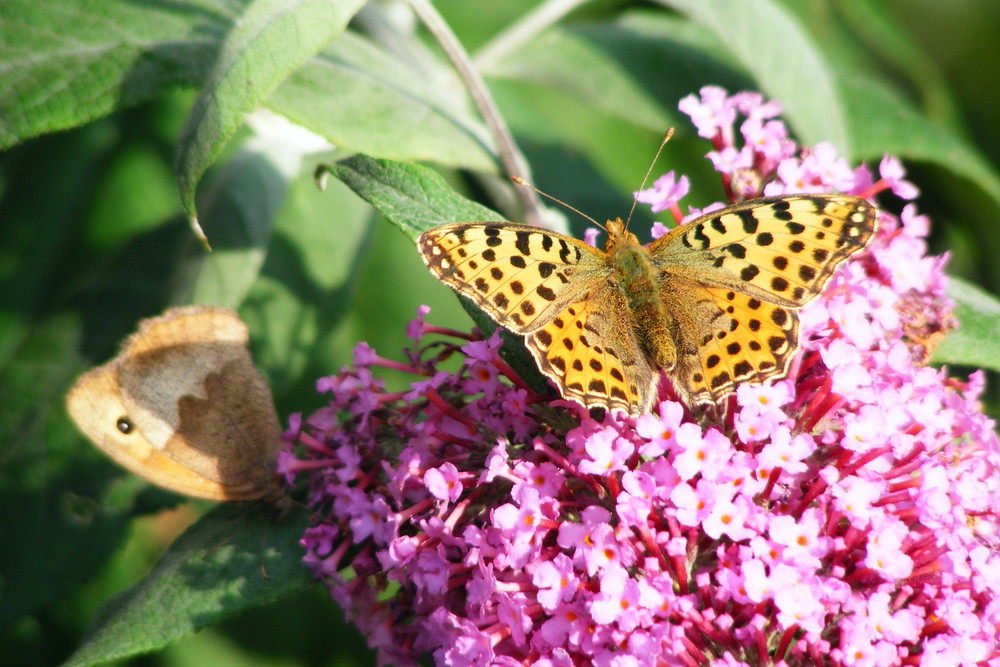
[521, 276]
[735, 279]
[591, 352]
[95, 405]
[189, 383]
[556, 291]
[184, 407]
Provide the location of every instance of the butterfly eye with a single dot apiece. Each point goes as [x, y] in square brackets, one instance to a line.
[124, 425]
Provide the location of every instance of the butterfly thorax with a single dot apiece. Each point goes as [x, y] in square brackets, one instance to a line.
[638, 279]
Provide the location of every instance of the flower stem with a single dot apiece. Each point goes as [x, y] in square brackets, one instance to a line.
[511, 158]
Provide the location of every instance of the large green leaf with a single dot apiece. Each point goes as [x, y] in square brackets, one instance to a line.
[67, 63]
[269, 41]
[976, 341]
[235, 557]
[366, 99]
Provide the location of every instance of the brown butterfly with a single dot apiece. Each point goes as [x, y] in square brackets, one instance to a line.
[184, 407]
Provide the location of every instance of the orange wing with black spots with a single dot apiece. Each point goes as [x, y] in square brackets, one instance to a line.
[738, 276]
[591, 353]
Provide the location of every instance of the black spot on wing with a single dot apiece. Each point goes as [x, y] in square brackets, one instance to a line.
[781, 209]
[746, 216]
[522, 240]
[545, 293]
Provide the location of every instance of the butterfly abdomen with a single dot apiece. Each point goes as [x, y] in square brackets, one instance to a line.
[637, 279]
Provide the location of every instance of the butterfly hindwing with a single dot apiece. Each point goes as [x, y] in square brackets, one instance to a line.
[587, 354]
[737, 338]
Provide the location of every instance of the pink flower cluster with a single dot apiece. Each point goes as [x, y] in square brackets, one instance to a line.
[844, 516]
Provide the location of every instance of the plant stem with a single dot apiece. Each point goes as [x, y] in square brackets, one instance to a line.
[527, 28]
[511, 158]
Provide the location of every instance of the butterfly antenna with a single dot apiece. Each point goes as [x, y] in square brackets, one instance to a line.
[521, 181]
[666, 138]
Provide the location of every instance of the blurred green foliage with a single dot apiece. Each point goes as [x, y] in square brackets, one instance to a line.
[119, 119]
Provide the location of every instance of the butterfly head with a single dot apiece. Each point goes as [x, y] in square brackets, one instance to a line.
[618, 236]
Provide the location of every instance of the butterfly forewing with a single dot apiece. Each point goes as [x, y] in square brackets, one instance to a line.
[520, 275]
[783, 249]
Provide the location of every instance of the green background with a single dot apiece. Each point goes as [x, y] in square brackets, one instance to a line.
[117, 119]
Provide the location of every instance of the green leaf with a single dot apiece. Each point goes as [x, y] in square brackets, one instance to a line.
[875, 22]
[583, 63]
[267, 43]
[783, 59]
[885, 122]
[976, 341]
[411, 197]
[414, 199]
[307, 288]
[364, 99]
[238, 216]
[68, 63]
[235, 557]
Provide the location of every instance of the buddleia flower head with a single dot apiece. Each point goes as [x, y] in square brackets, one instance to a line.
[845, 515]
